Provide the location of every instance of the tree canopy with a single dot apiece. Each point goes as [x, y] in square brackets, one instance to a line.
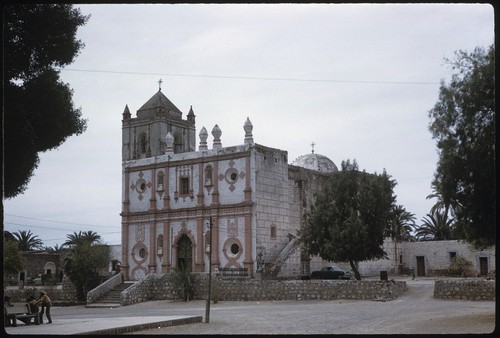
[39, 114]
[349, 217]
[82, 237]
[463, 124]
[13, 261]
[83, 264]
[27, 241]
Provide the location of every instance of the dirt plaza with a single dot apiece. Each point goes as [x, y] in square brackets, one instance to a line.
[415, 312]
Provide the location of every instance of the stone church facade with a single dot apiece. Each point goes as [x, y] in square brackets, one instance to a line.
[171, 191]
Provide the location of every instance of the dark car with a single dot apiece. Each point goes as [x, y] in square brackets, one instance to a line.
[331, 272]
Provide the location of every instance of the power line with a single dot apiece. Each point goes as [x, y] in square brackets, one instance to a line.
[57, 229]
[250, 77]
[60, 222]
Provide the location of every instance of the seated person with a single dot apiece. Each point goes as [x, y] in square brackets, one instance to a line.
[32, 303]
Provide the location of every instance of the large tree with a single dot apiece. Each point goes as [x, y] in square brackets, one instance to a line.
[83, 264]
[39, 114]
[13, 261]
[349, 217]
[463, 124]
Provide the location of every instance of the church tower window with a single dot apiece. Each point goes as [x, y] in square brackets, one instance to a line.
[142, 143]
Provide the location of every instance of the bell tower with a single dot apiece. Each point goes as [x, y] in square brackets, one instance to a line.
[144, 135]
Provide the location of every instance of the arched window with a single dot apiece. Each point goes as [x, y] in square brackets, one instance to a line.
[160, 181]
[142, 143]
[208, 176]
[159, 245]
[273, 231]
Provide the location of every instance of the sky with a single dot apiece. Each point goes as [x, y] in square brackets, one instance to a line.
[357, 80]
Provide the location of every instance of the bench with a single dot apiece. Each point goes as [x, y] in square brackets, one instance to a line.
[20, 312]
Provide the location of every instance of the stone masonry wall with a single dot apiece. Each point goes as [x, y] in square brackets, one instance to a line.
[475, 289]
[157, 287]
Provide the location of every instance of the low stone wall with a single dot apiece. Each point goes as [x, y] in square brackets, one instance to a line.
[153, 287]
[255, 290]
[64, 293]
[468, 289]
[157, 287]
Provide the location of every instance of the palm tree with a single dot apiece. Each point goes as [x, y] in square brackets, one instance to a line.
[401, 224]
[27, 241]
[82, 237]
[447, 205]
[436, 226]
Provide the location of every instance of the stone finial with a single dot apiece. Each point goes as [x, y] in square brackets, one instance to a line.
[203, 139]
[248, 127]
[126, 113]
[216, 133]
[169, 142]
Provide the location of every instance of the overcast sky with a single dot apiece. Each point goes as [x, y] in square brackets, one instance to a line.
[357, 80]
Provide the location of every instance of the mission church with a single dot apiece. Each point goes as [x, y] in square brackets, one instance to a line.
[246, 198]
[174, 195]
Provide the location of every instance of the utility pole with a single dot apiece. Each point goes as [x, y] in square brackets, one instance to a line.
[207, 310]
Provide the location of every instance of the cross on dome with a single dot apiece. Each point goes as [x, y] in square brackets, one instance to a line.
[160, 81]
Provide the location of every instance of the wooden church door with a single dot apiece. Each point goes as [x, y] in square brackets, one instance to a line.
[184, 253]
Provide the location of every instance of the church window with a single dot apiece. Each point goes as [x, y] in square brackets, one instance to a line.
[159, 245]
[142, 253]
[141, 185]
[208, 176]
[231, 175]
[142, 143]
[177, 143]
[159, 181]
[184, 185]
[235, 249]
[273, 231]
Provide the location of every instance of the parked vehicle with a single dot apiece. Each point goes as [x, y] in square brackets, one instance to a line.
[331, 272]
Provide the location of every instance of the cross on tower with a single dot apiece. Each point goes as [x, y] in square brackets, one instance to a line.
[160, 81]
[312, 146]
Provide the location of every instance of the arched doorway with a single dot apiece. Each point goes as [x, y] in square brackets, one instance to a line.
[184, 253]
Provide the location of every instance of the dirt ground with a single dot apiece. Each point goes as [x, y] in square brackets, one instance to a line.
[415, 312]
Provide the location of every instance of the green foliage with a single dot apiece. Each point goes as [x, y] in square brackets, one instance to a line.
[83, 264]
[436, 226]
[13, 261]
[82, 237]
[182, 282]
[38, 108]
[460, 264]
[400, 224]
[348, 220]
[463, 124]
[27, 241]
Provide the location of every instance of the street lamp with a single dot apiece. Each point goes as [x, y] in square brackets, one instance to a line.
[207, 310]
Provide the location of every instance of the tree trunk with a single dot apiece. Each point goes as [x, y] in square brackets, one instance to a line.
[354, 268]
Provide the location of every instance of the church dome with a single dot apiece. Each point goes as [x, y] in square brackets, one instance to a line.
[316, 162]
